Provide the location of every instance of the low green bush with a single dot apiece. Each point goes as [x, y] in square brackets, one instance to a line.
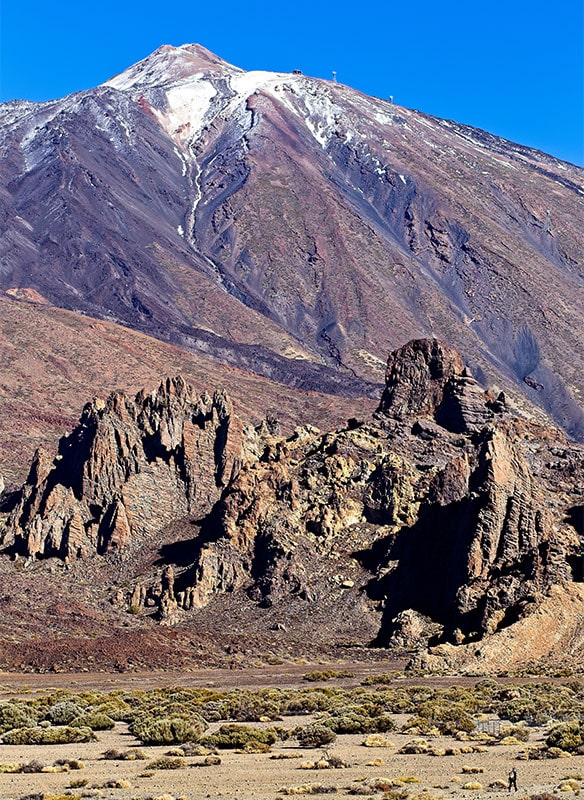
[167, 762]
[64, 713]
[168, 730]
[115, 708]
[94, 720]
[567, 736]
[308, 701]
[353, 722]
[234, 737]
[61, 734]
[327, 675]
[448, 717]
[315, 735]
[15, 715]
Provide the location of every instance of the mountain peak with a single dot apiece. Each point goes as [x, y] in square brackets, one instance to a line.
[168, 64]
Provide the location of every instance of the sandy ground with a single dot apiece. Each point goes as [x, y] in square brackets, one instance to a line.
[262, 777]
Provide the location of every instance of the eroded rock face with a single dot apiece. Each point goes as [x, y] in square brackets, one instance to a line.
[432, 509]
[424, 377]
[445, 517]
[130, 467]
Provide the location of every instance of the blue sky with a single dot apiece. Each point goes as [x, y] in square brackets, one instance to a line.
[513, 68]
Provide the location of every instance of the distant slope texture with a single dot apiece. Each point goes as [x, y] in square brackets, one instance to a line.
[296, 228]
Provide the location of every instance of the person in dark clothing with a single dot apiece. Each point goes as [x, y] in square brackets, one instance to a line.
[513, 779]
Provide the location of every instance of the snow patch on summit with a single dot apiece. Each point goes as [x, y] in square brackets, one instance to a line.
[247, 83]
[188, 104]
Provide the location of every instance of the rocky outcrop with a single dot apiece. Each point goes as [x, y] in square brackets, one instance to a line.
[424, 377]
[130, 467]
[432, 510]
[443, 519]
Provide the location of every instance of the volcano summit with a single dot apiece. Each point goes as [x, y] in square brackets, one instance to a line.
[296, 228]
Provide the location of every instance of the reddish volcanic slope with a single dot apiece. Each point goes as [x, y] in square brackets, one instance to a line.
[296, 228]
[55, 361]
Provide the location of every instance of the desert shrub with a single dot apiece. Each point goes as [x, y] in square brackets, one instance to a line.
[308, 701]
[61, 734]
[567, 736]
[115, 708]
[569, 785]
[94, 720]
[520, 708]
[384, 678]
[542, 796]
[360, 789]
[15, 715]
[234, 736]
[315, 735]
[448, 717]
[167, 762]
[255, 747]
[519, 732]
[70, 763]
[315, 788]
[244, 706]
[33, 766]
[64, 713]
[398, 794]
[124, 755]
[326, 675]
[353, 722]
[78, 783]
[376, 740]
[192, 749]
[44, 796]
[10, 768]
[173, 730]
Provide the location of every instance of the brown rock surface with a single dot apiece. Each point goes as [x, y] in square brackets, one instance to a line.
[405, 530]
[128, 469]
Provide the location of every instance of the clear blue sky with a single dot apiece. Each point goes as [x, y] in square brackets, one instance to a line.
[513, 67]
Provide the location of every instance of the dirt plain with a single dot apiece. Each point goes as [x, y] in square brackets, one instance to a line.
[278, 773]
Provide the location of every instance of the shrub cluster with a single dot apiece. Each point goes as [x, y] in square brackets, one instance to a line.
[567, 736]
[167, 730]
[327, 675]
[62, 734]
[314, 735]
[172, 715]
[234, 737]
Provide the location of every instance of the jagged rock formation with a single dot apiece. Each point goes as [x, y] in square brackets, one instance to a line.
[426, 378]
[446, 517]
[432, 508]
[130, 467]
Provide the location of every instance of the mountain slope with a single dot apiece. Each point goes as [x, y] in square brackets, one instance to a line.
[297, 228]
[55, 361]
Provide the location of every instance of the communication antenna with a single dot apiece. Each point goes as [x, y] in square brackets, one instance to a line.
[334, 76]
